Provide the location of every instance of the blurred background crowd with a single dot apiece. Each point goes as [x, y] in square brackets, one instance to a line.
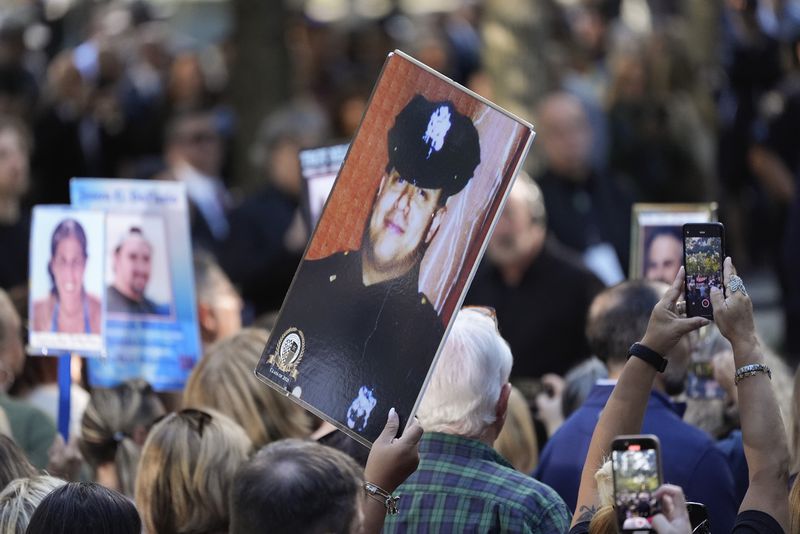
[632, 100]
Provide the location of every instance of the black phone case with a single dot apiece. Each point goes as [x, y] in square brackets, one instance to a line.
[709, 313]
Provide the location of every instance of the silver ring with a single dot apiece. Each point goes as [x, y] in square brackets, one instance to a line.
[680, 307]
[735, 284]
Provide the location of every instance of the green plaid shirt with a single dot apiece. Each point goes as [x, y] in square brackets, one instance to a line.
[463, 485]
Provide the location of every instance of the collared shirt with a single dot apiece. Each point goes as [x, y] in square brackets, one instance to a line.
[463, 485]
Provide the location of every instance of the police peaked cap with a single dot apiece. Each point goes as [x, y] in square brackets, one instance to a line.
[434, 146]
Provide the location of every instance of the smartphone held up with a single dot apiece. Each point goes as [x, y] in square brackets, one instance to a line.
[703, 254]
[636, 464]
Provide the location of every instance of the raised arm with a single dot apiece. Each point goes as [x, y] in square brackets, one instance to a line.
[390, 462]
[624, 411]
[762, 427]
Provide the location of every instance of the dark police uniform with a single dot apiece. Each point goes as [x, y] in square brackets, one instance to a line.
[366, 349]
[382, 336]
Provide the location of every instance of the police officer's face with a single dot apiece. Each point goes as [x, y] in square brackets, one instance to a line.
[402, 220]
[132, 266]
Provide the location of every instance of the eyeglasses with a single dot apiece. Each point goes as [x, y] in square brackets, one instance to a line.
[197, 419]
[488, 311]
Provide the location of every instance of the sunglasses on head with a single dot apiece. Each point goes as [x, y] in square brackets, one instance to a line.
[197, 419]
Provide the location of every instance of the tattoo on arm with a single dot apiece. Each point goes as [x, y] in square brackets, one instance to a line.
[587, 512]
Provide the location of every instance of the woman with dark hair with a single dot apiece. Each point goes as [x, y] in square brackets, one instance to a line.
[68, 308]
[85, 508]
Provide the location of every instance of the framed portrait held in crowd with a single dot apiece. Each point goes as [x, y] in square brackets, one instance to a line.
[67, 301]
[395, 248]
[657, 240]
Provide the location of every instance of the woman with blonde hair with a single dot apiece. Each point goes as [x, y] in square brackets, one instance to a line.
[223, 380]
[186, 471]
[19, 500]
[517, 441]
[114, 428]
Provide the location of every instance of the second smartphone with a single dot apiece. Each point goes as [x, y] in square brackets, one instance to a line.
[636, 463]
[703, 254]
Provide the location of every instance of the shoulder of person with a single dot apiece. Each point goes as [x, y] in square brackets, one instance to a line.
[95, 304]
[42, 312]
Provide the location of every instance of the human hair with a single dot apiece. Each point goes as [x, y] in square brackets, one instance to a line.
[5, 428]
[13, 462]
[68, 228]
[534, 200]
[795, 430]
[132, 231]
[794, 506]
[578, 382]
[295, 486]
[605, 520]
[223, 380]
[80, 507]
[517, 441]
[19, 499]
[618, 317]
[8, 313]
[186, 471]
[110, 425]
[210, 281]
[471, 370]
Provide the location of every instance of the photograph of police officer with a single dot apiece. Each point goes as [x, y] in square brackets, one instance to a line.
[369, 317]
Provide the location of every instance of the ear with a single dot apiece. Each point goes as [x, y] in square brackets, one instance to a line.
[139, 435]
[501, 408]
[436, 221]
[208, 321]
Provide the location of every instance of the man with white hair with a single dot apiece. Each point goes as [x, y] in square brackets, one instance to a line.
[462, 484]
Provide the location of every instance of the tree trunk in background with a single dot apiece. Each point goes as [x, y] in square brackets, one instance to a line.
[260, 77]
[518, 43]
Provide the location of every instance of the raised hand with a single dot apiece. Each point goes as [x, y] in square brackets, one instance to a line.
[666, 327]
[733, 311]
[392, 459]
[674, 518]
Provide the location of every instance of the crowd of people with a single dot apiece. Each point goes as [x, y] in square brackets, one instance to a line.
[537, 374]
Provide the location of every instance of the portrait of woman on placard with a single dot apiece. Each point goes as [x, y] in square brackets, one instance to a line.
[68, 308]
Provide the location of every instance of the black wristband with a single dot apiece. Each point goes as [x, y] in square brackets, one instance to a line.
[649, 355]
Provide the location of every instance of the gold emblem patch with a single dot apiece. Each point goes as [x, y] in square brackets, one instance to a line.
[289, 352]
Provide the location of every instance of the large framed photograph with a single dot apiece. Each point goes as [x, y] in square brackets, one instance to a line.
[395, 249]
[66, 299]
[657, 238]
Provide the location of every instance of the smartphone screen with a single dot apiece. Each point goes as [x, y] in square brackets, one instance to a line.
[637, 475]
[703, 252]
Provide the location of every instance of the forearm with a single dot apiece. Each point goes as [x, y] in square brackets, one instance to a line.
[623, 414]
[764, 438]
[374, 516]
[763, 432]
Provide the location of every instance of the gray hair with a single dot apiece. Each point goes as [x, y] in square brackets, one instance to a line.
[19, 500]
[473, 367]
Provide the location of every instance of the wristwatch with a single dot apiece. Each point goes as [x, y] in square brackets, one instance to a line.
[649, 355]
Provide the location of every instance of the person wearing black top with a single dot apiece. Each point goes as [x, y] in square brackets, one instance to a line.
[540, 290]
